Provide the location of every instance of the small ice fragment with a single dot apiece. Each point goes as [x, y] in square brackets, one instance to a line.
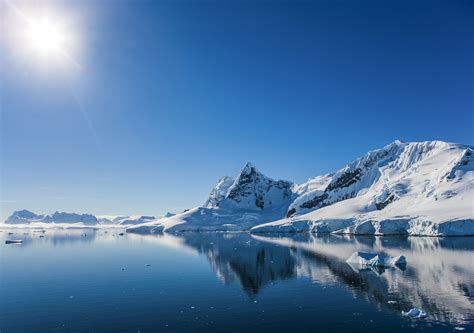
[415, 313]
[459, 328]
[392, 302]
[71, 297]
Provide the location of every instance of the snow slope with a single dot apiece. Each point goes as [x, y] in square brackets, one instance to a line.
[125, 220]
[418, 188]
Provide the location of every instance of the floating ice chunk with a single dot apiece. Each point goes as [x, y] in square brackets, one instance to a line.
[415, 313]
[13, 241]
[375, 260]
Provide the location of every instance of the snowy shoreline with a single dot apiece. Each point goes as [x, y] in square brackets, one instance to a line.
[462, 228]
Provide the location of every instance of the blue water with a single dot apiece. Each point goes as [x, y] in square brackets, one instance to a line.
[99, 281]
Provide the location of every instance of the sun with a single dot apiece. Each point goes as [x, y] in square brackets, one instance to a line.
[41, 34]
[45, 37]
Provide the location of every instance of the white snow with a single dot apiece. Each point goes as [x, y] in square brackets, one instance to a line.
[125, 220]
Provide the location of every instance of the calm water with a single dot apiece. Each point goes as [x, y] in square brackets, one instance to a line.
[214, 282]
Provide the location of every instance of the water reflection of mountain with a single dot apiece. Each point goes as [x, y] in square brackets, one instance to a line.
[239, 257]
[439, 276]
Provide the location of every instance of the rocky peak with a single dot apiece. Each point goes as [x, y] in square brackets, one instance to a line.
[250, 190]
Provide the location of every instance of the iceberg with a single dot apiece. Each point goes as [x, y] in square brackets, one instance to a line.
[415, 313]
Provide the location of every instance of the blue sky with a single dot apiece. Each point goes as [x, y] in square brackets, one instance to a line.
[171, 95]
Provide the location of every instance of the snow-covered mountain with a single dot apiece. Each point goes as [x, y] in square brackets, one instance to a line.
[251, 190]
[234, 204]
[422, 188]
[25, 217]
[418, 188]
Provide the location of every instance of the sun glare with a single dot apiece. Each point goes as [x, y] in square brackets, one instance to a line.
[45, 37]
[42, 35]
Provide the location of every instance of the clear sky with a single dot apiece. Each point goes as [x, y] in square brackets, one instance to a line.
[158, 99]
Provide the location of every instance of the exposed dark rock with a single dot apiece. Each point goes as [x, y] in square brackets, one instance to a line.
[291, 212]
[346, 179]
[315, 201]
[382, 205]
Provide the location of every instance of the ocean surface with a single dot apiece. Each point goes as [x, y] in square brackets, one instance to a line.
[99, 281]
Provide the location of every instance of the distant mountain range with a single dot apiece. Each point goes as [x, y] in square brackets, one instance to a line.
[26, 217]
[416, 188]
